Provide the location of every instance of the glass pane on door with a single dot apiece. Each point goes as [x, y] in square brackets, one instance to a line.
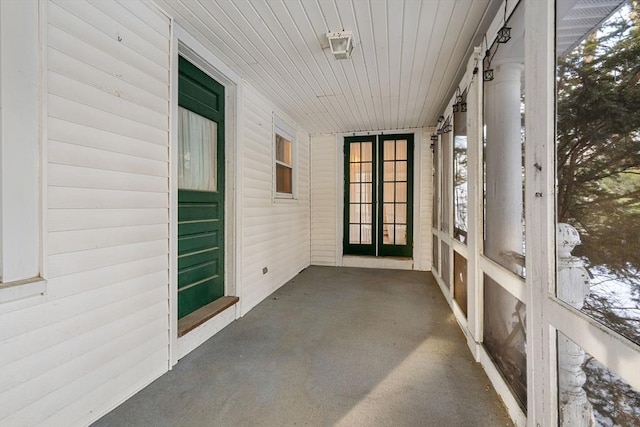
[394, 209]
[197, 147]
[360, 192]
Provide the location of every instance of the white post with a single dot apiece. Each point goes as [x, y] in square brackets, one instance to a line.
[504, 159]
[572, 288]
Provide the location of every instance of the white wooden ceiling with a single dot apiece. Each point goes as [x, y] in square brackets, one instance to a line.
[408, 55]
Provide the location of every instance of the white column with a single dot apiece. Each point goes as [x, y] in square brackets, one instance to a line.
[573, 287]
[503, 215]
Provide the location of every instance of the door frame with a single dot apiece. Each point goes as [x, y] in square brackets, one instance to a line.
[421, 248]
[187, 46]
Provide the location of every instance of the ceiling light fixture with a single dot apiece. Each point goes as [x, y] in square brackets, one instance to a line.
[341, 44]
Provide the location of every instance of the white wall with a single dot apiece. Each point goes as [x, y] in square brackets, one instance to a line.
[325, 236]
[275, 232]
[327, 204]
[100, 332]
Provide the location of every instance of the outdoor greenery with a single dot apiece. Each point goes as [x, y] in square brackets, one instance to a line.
[598, 177]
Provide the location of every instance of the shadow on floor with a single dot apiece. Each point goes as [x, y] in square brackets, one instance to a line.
[334, 346]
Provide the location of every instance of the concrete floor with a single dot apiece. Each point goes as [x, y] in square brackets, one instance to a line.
[333, 347]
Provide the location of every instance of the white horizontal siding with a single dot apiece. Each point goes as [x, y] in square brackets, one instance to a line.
[101, 331]
[275, 231]
[323, 200]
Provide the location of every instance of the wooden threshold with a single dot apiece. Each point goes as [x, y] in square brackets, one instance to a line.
[201, 315]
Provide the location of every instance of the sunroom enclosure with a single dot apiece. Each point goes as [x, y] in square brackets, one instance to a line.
[508, 204]
[522, 198]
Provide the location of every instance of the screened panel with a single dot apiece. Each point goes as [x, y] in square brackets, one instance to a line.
[446, 264]
[460, 281]
[598, 172]
[197, 148]
[504, 142]
[585, 382]
[460, 175]
[505, 336]
[436, 185]
[445, 190]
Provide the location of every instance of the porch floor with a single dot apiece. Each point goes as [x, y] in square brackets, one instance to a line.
[334, 346]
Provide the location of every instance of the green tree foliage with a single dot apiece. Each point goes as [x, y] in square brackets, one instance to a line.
[598, 147]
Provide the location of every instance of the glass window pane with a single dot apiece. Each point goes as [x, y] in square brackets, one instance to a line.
[367, 190]
[388, 215]
[401, 213]
[505, 336]
[401, 235]
[401, 149]
[365, 170]
[284, 182]
[366, 234]
[366, 214]
[367, 150]
[401, 170]
[354, 233]
[354, 213]
[598, 169]
[197, 152]
[389, 150]
[389, 168]
[587, 387]
[387, 234]
[401, 192]
[388, 195]
[283, 149]
[354, 172]
[354, 193]
[354, 152]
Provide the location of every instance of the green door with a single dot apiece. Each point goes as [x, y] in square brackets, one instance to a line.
[378, 193]
[200, 189]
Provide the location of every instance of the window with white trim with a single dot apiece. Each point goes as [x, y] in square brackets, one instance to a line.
[284, 158]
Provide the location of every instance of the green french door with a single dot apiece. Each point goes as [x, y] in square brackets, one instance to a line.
[378, 193]
[200, 189]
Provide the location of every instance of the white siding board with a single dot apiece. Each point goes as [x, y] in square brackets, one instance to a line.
[156, 20]
[89, 157]
[275, 231]
[66, 197]
[86, 136]
[83, 177]
[109, 102]
[81, 20]
[144, 34]
[101, 331]
[61, 41]
[84, 73]
[74, 241]
[84, 328]
[76, 262]
[58, 368]
[28, 320]
[75, 112]
[87, 281]
[127, 383]
[83, 219]
[71, 392]
[323, 200]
